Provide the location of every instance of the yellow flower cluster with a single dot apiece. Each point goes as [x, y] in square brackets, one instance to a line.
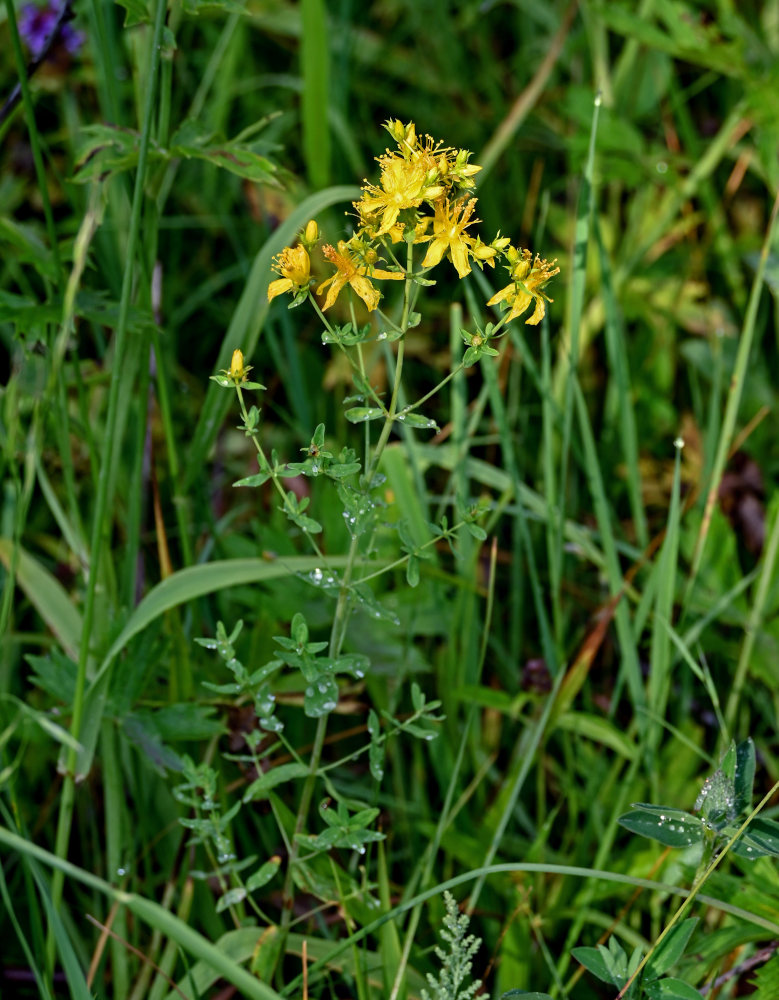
[423, 197]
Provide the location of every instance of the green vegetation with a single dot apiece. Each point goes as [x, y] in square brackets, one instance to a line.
[389, 592]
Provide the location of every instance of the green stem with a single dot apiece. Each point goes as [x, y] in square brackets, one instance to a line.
[415, 406]
[737, 380]
[102, 500]
[35, 146]
[265, 464]
[340, 617]
[359, 369]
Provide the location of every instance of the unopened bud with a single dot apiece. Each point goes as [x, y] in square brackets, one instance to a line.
[237, 365]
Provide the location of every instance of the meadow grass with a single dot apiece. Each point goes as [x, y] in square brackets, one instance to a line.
[551, 595]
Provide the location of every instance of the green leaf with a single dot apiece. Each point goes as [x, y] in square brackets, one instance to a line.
[766, 980]
[671, 989]
[186, 721]
[315, 56]
[56, 674]
[760, 838]
[135, 12]
[320, 697]
[671, 949]
[745, 776]
[599, 730]
[377, 747]
[417, 420]
[256, 480]
[412, 571]
[231, 898]
[360, 414]
[263, 875]
[275, 776]
[27, 247]
[593, 961]
[42, 720]
[108, 150]
[47, 595]
[671, 827]
[195, 7]
[235, 158]
[142, 732]
[525, 994]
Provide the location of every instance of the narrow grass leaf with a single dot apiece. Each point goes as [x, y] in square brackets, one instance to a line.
[315, 59]
[183, 586]
[665, 571]
[47, 595]
[630, 665]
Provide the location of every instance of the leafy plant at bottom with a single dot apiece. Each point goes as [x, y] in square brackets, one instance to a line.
[454, 982]
[611, 965]
[723, 803]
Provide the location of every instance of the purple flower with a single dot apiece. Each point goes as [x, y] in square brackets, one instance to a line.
[36, 23]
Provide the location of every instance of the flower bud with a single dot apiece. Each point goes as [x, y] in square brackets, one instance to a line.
[312, 232]
[396, 129]
[236, 365]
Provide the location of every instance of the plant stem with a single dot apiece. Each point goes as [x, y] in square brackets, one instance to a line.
[35, 146]
[102, 500]
[265, 464]
[340, 617]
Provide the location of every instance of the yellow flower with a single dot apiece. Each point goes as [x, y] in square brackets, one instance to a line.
[449, 235]
[526, 287]
[351, 272]
[403, 185]
[398, 231]
[238, 370]
[295, 266]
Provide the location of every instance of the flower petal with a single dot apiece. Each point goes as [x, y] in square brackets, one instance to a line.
[278, 287]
